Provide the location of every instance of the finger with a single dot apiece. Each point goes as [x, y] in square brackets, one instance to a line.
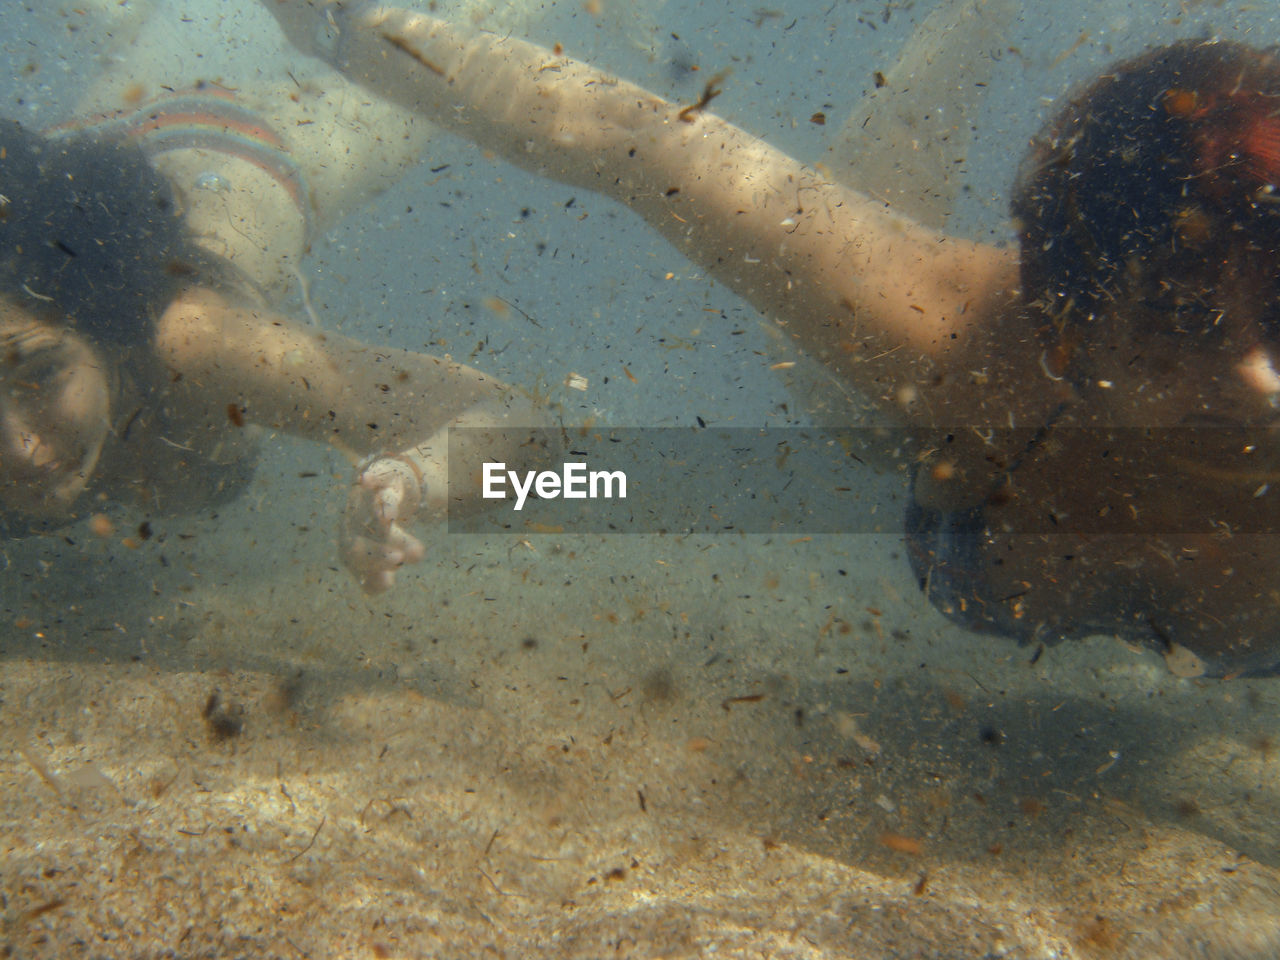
[364, 555]
[379, 474]
[394, 488]
[408, 546]
[380, 582]
[375, 564]
[387, 503]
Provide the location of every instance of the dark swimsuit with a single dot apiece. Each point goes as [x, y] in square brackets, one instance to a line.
[1212, 596]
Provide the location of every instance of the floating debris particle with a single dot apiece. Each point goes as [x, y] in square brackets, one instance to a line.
[223, 721]
[900, 843]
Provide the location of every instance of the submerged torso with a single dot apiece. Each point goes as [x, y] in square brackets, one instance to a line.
[1159, 536]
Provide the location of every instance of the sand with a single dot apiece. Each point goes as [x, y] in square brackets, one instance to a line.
[584, 746]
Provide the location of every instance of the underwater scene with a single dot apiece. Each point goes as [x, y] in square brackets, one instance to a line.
[925, 352]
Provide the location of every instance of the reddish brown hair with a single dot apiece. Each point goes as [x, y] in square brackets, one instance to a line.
[1159, 183]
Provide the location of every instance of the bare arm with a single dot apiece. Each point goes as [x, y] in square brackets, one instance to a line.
[319, 386]
[229, 365]
[901, 311]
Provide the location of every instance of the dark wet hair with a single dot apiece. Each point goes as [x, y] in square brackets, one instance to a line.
[90, 234]
[1159, 184]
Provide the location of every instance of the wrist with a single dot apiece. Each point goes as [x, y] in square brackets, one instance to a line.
[429, 465]
[320, 29]
[394, 483]
[413, 464]
[329, 30]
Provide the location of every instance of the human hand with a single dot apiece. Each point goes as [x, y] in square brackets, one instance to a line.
[310, 25]
[373, 542]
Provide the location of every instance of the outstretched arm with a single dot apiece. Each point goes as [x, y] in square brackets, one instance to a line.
[391, 409]
[902, 311]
